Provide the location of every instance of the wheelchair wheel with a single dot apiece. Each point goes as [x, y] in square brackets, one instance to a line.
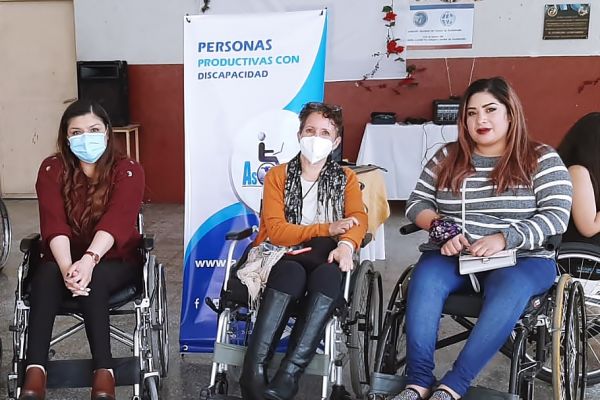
[569, 341]
[365, 326]
[582, 262]
[5, 234]
[575, 344]
[391, 347]
[391, 350]
[160, 321]
[561, 301]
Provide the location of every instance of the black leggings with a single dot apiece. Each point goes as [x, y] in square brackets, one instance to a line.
[296, 279]
[308, 272]
[48, 290]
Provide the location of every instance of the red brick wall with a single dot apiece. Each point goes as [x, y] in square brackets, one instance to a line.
[549, 87]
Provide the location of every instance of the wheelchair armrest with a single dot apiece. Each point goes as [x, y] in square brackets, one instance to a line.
[148, 241]
[408, 229]
[553, 242]
[29, 241]
[239, 235]
[366, 240]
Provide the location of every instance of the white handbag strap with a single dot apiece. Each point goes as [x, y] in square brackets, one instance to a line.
[462, 203]
[472, 277]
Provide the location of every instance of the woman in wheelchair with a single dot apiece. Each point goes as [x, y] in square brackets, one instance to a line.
[579, 151]
[312, 202]
[89, 197]
[516, 194]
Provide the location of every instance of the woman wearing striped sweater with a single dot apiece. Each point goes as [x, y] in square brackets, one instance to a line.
[517, 193]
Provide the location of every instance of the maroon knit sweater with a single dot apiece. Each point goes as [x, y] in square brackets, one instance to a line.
[119, 218]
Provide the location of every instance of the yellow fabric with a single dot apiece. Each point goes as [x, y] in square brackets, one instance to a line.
[375, 198]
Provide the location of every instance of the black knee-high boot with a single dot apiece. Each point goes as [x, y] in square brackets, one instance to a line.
[284, 385]
[270, 322]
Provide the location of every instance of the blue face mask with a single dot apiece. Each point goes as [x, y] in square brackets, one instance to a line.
[88, 146]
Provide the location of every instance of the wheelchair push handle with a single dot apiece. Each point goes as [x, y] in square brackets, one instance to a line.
[239, 235]
[29, 241]
[552, 243]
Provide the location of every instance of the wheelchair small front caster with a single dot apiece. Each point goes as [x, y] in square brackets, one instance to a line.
[339, 392]
[221, 384]
[206, 393]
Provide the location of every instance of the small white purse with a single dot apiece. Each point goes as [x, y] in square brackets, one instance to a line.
[468, 264]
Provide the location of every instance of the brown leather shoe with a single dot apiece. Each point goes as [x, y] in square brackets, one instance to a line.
[103, 385]
[34, 387]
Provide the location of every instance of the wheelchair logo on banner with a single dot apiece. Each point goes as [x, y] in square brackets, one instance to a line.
[265, 141]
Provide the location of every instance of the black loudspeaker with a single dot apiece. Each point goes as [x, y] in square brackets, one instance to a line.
[106, 82]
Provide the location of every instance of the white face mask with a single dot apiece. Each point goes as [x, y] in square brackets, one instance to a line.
[315, 148]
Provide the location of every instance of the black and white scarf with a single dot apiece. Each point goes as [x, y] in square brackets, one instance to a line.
[330, 190]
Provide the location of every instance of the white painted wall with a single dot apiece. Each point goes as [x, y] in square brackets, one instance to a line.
[509, 28]
[151, 32]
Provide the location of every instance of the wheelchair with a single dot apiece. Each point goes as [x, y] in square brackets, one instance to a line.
[582, 262]
[5, 234]
[350, 335]
[549, 339]
[149, 342]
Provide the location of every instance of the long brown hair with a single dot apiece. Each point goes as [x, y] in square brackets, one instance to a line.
[519, 161]
[83, 212]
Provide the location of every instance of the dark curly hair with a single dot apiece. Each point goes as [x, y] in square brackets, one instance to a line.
[329, 111]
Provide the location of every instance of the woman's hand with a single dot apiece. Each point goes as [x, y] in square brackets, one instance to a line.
[341, 226]
[455, 245]
[343, 256]
[488, 245]
[79, 276]
[66, 278]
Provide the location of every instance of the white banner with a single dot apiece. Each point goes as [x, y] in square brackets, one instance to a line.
[245, 79]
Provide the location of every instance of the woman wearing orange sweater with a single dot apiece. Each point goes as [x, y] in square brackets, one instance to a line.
[315, 203]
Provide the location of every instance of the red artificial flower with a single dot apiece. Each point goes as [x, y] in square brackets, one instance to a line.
[393, 47]
[390, 16]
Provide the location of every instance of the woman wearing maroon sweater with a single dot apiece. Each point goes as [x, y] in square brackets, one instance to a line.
[89, 197]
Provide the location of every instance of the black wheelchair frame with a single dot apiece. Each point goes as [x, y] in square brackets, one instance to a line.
[582, 262]
[355, 323]
[149, 341]
[550, 335]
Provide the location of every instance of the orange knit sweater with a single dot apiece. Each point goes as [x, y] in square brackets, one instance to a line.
[274, 226]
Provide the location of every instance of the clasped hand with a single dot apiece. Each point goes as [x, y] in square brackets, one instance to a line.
[341, 226]
[486, 246]
[78, 277]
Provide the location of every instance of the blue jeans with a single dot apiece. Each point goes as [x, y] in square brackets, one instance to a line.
[506, 293]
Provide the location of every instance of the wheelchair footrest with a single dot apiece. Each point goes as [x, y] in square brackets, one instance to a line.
[385, 384]
[78, 373]
[232, 354]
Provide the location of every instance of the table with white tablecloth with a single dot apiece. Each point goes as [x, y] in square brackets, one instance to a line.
[402, 150]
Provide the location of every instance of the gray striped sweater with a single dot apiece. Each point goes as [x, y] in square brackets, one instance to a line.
[525, 216]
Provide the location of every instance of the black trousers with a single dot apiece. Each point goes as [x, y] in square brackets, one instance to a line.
[48, 290]
[308, 272]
